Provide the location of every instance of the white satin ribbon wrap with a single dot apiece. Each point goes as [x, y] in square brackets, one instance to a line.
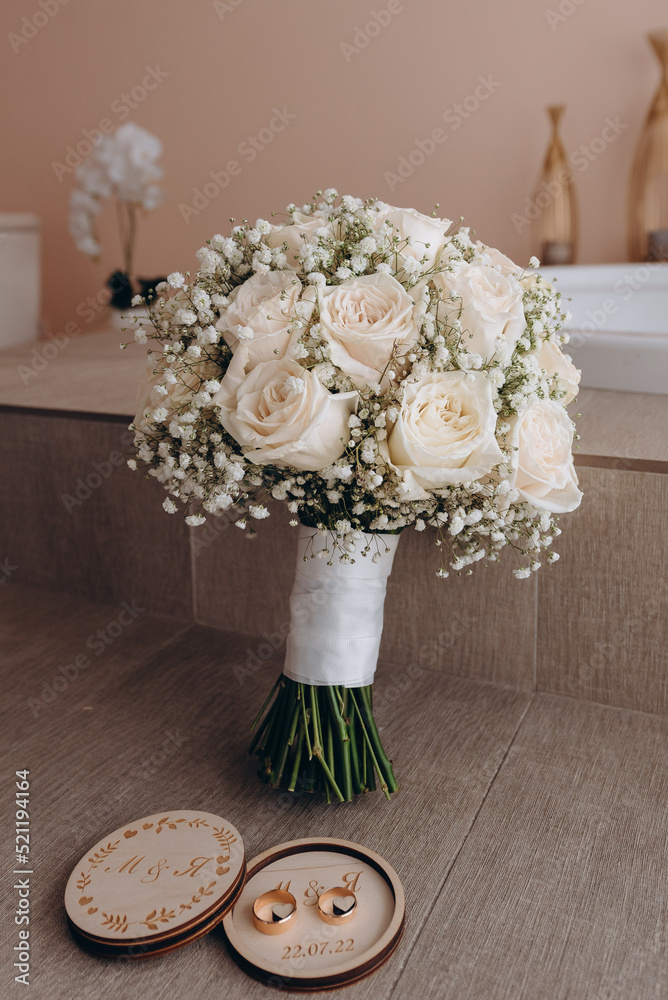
[336, 612]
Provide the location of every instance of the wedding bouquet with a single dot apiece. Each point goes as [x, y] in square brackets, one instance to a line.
[377, 370]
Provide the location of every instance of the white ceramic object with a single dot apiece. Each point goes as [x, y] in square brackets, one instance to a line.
[619, 325]
[20, 277]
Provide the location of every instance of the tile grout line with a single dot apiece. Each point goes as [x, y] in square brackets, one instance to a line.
[447, 875]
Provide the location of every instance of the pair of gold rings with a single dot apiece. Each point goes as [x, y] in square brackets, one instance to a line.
[275, 912]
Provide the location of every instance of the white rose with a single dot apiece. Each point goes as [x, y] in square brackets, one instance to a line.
[420, 229]
[363, 320]
[268, 304]
[488, 304]
[281, 414]
[494, 258]
[544, 473]
[293, 234]
[559, 367]
[445, 432]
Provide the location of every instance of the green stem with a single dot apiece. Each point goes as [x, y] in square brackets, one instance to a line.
[354, 756]
[285, 750]
[336, 714]
[298, 759]
[258, 736]
[301, 695]
[266, 702]
[279, 730]
[369, 746]
[385, 763]
[295, 720]
[318, 749]
[329, 745]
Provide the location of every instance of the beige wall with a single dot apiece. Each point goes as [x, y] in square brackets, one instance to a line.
[227, 65]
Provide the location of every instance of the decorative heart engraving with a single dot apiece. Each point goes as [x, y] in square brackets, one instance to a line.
[280, 911]
[85, 900]
[147, 826]
[130, 833]
[222, 858]
[92, 909]
[342, 905]
[222, 871]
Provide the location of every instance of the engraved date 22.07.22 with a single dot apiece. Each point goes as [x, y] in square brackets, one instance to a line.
[313, 949]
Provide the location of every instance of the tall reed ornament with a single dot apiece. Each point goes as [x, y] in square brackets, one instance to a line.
[648, 195]
[554, 228]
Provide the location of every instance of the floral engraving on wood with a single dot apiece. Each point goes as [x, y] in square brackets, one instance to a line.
[154, 918]
[83, 882]
[115, 923]
[102, 855]
[196, 898]
[224, 837]
[167, 823]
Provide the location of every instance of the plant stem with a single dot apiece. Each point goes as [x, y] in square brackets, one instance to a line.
[380, 754]
[320, 739]
[298, 759]
[369, 746]
[266, 702]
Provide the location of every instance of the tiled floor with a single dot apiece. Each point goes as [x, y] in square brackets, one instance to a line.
[530, 831]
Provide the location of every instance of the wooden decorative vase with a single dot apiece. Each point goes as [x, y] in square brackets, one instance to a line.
[554, 227]
[648, 194]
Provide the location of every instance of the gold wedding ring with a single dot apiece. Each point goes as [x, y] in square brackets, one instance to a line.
[330, 912]
[274, 923]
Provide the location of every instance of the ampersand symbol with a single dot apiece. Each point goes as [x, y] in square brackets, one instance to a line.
[313, 892]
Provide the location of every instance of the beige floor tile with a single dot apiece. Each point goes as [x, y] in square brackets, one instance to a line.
[602, 620]
[559, 891]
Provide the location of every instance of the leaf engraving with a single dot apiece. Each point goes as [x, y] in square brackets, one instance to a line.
[169, 824]
[224, 837]
[101, 855]
[154, 918]
[115, 922]
[83, 882]
[197, 897]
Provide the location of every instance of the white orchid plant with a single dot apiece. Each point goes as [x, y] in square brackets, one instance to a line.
[123, 166]
[376, 369]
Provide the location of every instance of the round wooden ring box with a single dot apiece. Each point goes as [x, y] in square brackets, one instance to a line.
[165, 880]
[156, 883]
[314, 954]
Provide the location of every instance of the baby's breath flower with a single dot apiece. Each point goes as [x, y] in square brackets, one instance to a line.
[194, 520]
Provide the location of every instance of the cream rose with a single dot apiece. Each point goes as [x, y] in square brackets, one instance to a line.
[494, 258]
[267, 304]
[544, 473]
[294, 233]
[281, 414]
[420, 230]
[560, 368]
[363, 320]
[489, 305]
[445, 432]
